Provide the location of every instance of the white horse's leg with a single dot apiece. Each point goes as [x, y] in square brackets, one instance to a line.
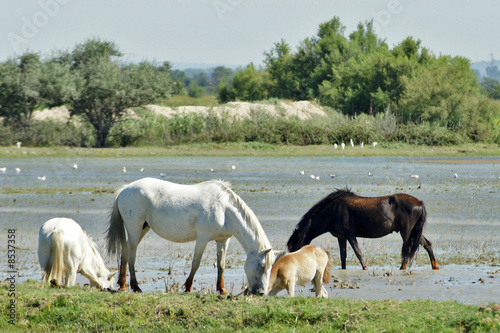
[221, 264]
[134, 238]
[199, 248]
[70, 279]
[122, 277]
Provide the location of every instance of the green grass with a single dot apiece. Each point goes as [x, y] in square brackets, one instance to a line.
[256, 149]
[41, 308]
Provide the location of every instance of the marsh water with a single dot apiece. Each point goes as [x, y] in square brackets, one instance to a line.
[462, 197]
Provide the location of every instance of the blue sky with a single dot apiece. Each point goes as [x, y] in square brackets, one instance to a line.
[237, 32]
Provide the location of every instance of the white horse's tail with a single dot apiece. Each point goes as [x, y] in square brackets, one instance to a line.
[55, 268]
[116, 238]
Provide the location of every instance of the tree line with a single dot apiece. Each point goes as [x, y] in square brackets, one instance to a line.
[406, 91]
[360, 74]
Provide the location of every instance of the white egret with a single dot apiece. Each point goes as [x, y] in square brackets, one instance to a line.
[415, 176]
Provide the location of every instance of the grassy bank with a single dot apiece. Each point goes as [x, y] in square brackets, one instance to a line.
[41, 308]
[257, 149]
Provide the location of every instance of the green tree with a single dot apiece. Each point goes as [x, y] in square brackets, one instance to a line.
[279, 62]
[106, 89]
[20, 88]
[251, 84]
[195, 91]
[491, 88]
[441, 92]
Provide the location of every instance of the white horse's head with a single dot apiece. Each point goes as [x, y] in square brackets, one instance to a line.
[258, 269]
[106, 280]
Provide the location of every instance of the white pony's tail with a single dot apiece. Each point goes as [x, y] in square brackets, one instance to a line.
[116, 237]
[55, 269]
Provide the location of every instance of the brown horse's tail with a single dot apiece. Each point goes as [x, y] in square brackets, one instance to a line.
[326, 274]
[55, 268]
[416, 235]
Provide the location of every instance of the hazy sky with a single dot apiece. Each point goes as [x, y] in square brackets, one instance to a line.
[237, 32]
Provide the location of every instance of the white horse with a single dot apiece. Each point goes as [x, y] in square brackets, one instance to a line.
[309, 264]
[64, 250]
[182, 213]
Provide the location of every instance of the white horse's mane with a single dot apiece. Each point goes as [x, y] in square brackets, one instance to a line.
[248, 214]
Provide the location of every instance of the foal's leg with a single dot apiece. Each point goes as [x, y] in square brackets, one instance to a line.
[318, 284]
[428, 247]
[355, 246]
[290, 287]
[343, 251]
[199, 248]
[221, 264]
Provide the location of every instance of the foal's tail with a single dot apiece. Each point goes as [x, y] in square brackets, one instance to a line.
[416, 234]
[115, 237]
[326, 274]
[55, 268]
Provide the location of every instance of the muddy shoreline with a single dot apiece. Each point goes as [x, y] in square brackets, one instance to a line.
[463, 218]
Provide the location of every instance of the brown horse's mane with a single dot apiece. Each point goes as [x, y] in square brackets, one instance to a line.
[306, 220]
[327, 201]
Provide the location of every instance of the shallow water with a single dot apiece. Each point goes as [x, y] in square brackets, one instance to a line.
[463, 216]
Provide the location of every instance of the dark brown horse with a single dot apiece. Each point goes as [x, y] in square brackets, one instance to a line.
[346, 216]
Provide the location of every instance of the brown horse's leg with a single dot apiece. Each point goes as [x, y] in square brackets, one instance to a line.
[343, 251]
[355, 246]
[428, 247]
[122, 277]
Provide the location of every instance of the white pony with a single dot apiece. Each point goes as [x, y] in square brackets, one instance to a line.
[309, 264]
[208, 211]
[64, 250]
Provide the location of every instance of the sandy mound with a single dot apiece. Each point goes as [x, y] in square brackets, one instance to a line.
[241, 110]
[233, 110]
[58, 113]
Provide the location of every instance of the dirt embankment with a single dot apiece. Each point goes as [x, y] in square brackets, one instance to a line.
[233, 110]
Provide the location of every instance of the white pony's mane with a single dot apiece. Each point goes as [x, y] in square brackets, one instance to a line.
[96, 256]
[248, 214]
